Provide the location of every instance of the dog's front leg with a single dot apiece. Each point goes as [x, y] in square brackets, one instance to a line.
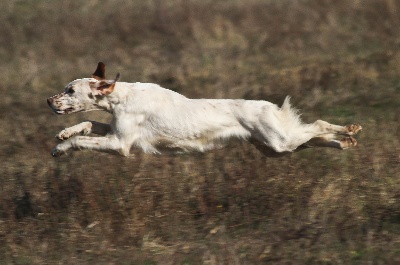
[84, 128]
[101, 144]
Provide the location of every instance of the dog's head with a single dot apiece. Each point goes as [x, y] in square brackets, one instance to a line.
[84, 94]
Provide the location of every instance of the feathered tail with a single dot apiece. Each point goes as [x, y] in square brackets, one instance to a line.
[289, 113]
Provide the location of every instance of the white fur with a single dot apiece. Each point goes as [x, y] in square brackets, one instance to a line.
[155, 119]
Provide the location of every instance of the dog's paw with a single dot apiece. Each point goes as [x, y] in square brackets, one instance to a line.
[65, 134]
[348, 142]
[55, 152]
[353, 129]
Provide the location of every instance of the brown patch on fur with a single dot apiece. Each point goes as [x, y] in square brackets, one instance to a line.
[106, 89]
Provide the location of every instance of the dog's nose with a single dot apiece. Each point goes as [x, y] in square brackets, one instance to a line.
[49, 102]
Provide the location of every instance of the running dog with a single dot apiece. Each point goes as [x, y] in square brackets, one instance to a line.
[154, 119]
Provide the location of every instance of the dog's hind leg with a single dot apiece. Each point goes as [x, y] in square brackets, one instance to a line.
[322, 134]
[345, 143]
[319, 134]
[84, 128]
[322, 127]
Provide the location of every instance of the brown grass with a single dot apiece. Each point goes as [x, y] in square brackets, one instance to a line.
[339, 60]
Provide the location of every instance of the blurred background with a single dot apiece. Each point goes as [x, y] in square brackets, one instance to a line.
[340, 62]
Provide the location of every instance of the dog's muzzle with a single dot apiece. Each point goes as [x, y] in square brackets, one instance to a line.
[51, 105]
[51, 102]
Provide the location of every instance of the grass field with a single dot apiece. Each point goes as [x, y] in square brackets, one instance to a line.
[340, 62]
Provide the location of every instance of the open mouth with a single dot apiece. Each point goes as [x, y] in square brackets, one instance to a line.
[65, 111]
[62, 112]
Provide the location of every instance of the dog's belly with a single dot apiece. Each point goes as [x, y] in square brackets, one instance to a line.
[202, 142]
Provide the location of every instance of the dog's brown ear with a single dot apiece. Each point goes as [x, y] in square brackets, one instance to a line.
[104, 87]
[100, 73]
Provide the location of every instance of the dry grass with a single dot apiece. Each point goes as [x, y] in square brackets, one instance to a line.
[339, 60]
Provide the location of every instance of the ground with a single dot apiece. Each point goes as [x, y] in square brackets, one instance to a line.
[338, 60]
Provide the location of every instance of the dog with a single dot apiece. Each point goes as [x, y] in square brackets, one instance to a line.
[155, 120]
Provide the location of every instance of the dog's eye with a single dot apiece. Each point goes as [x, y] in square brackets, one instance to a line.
[70, 91]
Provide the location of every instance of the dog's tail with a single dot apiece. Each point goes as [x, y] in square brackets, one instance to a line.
[286, 106]
[291, 114]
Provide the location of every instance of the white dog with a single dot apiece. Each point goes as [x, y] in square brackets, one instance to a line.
[156, 119]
